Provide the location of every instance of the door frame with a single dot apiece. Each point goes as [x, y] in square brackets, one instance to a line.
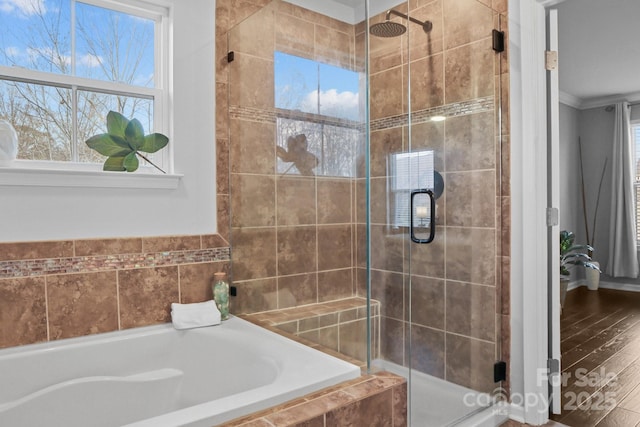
[529, 263]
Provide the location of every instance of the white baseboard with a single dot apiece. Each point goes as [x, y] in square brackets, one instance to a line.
[628, 287]
[516, 413]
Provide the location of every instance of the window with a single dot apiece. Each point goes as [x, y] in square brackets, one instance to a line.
[635, 131]
[317, 109]
[407, 172]
[64, 64]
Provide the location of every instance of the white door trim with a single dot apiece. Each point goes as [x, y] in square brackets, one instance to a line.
[529, 322]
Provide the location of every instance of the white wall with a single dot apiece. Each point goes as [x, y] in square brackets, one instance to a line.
[596, 133]
[570, 198]
[29, 213]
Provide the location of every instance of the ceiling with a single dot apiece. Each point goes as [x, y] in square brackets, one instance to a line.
[599, 52]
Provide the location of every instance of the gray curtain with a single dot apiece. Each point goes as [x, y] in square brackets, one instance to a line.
[623, 260]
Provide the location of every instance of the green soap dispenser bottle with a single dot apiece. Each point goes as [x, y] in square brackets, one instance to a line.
[221, 294]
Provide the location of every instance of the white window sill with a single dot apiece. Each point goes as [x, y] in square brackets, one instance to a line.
[49, 177]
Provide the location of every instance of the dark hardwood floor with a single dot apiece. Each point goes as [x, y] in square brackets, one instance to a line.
[600, 333]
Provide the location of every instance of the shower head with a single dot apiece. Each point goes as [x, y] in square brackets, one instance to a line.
[394, 29]
[387, 29]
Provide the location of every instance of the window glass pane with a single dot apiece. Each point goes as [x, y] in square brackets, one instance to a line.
[41, 116]
[339, 92]
[92, 118]
[114, 46]
[306, 148]
[36, 34]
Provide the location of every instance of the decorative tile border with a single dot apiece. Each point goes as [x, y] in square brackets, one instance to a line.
[87, 264]
[473, 106]
[463, 108]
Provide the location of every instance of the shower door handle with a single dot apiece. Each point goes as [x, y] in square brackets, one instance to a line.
[432, 221]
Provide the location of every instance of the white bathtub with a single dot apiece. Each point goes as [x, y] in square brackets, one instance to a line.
[157, 376]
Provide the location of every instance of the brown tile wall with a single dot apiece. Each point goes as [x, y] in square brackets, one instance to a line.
[62, 289]
[460, 293]
[292, 235]
[460, 282]
[371, 400]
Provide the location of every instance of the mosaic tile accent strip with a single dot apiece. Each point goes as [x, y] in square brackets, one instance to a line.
[270, 116]
[87, 264]
[473, 106]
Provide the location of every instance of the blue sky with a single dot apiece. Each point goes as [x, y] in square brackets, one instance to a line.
[24, 43]
[296, 87]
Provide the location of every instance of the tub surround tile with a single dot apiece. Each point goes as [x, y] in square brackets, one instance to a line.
[334, 247]
[371, 400]
[146, 295]
[170, 243]
[335, 284]
[213, 241]
[107, 246]
[82, 304]
[297, 290]
[196, 280]
[23, 311]
[255, 296]
[36, 250]
[254, 253]
[252, 147]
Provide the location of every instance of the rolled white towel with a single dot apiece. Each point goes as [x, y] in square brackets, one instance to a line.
[196, 315]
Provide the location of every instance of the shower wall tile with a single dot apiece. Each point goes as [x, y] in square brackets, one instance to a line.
[253, 203]
[146, 295]
[297, 290]
[255, 35]
[296, 200]
[334, 47]
[222, 102]
[254, 253]
[466, 21]
[470, 363]
[222, 166]
[82, 304]
[243, 9]
[386, 93]
[385, 52]
[429, 260]
[383, 143]
[107, 246]
[389, 291]
[388, 251]
[23, 311]
[295, 36]
[470, 142]
[427, 82]
[334, 201]
[427, 350]
[470, 310]
[335, 284]
[196, 280]
[430, 136]
[470, 201]
[334, 246]
[426, 44]
[427, 302]
[469, 72]
[223, 215]
[380, 201]
[392, 342]
[296, 250]
[471, 255]
[247, 91]
[255, 296]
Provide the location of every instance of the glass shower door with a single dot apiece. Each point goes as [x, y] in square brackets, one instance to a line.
[434, 182]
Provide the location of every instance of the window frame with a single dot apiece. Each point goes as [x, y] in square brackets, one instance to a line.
[635, 134]
[158, 11]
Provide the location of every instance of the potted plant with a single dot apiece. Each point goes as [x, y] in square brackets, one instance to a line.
[571, 255]
[592, 276]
